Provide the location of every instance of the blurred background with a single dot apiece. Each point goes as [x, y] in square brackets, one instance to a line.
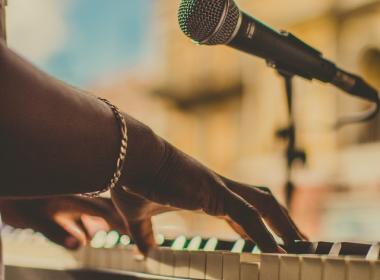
[224, 107]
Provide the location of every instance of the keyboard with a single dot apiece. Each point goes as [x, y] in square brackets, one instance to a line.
[114, 256]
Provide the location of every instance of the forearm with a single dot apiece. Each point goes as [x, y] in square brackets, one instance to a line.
[53, 139]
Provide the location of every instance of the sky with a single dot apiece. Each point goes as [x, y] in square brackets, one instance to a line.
[80, 41]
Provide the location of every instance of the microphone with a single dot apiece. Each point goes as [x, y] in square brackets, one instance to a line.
[221, 22]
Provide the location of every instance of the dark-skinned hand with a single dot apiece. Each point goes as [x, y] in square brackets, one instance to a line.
[61, 219]
[160, 173]
[138, 212]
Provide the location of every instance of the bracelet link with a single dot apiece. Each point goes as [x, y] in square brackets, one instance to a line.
[122, 152]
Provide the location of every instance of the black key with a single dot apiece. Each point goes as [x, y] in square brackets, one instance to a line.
[350, 249]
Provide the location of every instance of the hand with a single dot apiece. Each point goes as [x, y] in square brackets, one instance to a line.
[162, 174]
[62, 219]
[138, 212]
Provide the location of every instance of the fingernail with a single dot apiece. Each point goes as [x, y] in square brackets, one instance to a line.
[72, 243]
[281, 250]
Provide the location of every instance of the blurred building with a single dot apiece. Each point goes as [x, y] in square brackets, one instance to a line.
[224, 108]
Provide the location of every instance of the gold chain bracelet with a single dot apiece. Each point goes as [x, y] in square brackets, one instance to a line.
[122, 153]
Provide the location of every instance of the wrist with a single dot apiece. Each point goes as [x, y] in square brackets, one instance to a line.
[145, 153]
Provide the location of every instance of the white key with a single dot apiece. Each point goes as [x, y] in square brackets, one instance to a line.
[231, 266]
[358, 269]
[334, 269]
[132, 260]
[167, 262]
[311, 268]
[101, 257]
[90, 257]
[289, 267]
[182, 264]
[214, 265]
[250, 258]
[116, 258]
[375, 275]
[269, 267]
[197, 265]
[249, 271]
[153, 262]
[82, 256]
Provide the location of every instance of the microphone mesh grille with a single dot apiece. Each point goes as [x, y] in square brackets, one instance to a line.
[199, 20]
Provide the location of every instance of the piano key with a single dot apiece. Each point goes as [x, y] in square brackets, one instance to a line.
[160, 239]
[131, 259]
[98, 257]
[311, 268]
[249, 271]
[334, 269]
[358, 269]
[179, 243]
[323, 248]
[306, 247]
[250, 258]
[112, 239]
[238, 247]
[289, 267]
[195, 244]
[153, 262]
[301, 247]
[81, 256]
[375, 273]
[210, 245]
[99, 240]
[197, 267]
[249, 246]
[125, 240]
[167, 262]
[116, 258]
[374, 252]
[182, 264]
[224, 245]
[214, 265]
[349, 249]
[231, 266]
[269, 266]
[126, 258]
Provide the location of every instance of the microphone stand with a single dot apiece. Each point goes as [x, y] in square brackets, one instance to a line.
[289, 133]
[3, 3]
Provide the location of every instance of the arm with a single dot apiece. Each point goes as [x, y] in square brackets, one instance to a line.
[51, 134]
[58, 140]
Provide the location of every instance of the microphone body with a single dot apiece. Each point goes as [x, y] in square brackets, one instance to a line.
[221, 22]
[284, 51]
[281, 50]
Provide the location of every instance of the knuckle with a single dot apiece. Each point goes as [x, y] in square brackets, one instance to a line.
[214, 204]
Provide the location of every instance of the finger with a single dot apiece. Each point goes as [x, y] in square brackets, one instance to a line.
[56, 234]
[143, 235]
[140, 227]
[279, 220]
[102, 208]
[84, 229]
[237, 228]
[269, 208]
[249, 219]
[73, 227]
[304, 237]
